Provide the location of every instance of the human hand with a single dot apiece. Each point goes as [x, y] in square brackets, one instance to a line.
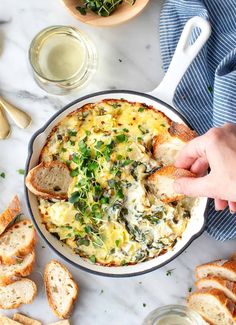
[215, 149]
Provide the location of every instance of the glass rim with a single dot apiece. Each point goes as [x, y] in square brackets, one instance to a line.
[161, 311]
[34, 42]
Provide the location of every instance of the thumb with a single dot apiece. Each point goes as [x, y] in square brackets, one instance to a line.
[191, 186]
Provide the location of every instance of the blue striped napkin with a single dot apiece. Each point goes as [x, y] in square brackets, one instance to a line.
[206, 95]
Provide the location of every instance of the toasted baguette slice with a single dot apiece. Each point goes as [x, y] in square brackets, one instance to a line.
[17, 241]
[49, 180]
[61, 289]
[167, 146]
[62, 322]
[213, 306]
[228, 287]
[17, 293]
[26, 320]
[7, 321]
[23, 267]
[161, 182]
[221, 268]
[10, 213]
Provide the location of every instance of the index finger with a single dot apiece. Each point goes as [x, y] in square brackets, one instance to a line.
[193, 150]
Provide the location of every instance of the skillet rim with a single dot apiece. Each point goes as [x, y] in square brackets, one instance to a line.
[30, 152]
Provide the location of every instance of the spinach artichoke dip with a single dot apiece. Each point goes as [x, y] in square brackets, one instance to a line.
[111, 217]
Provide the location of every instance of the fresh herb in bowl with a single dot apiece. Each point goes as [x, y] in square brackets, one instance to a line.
[102, 7]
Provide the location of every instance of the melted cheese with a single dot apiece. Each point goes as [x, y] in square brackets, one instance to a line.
[111, 217]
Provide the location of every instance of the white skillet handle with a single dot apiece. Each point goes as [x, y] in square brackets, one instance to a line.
[183, 57]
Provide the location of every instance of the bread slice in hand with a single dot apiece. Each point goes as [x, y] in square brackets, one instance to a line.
[213, 306]
[61, 289]
[23, 267]
[25, 320]
[49, 180]
[166, 146]
[221, 268]
[17, 241]
[161, 182]
[17, 293]
[7, 321]
[10, 213]
[228, 287]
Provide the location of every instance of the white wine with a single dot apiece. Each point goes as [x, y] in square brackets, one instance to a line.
[174, 320]
[63, 59]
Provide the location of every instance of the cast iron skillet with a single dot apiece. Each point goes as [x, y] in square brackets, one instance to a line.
[162, 99]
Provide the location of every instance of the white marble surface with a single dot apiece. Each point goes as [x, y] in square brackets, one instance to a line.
[102, 301]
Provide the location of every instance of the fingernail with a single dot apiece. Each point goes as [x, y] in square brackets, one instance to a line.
[232, 212]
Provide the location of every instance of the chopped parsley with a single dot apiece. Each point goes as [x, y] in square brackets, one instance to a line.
[122, 138]
[92, 258]
[169, 272]
[141, 109]
[21, 171]
[2, 174]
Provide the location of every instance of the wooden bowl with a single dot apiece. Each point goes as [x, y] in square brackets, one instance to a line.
[123, 13]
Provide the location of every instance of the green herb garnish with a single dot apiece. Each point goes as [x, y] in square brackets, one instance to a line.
[21, 171]
[92, 258]
[169, 272]
[3, 175]
[122, 138]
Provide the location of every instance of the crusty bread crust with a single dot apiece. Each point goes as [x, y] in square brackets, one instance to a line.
[48, 290]
[25, 320]
[7, 321]
[227, 304]
[225, 284]
[22, 250]
[19, 303]
[25, 271]
[182, 132]
[173, 173]
[10, 213]
[229, 265]
[176, 130]
[32, 181]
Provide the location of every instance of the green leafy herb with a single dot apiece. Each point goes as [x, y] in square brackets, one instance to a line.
[125, 130]
[117, 242]
[21, 171]
[74, 197]
[87, 132]
[101, 7]
[74, 172]
[88, 229]
[2, 174]
[144, 304]
[81, 10]
[141, 109]
[142, 129]
[127, 162]
[92, 258]
[72, 133]
[169, 272]
[190, 289]
[122, 138]
[63, 149]
[82, 241]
